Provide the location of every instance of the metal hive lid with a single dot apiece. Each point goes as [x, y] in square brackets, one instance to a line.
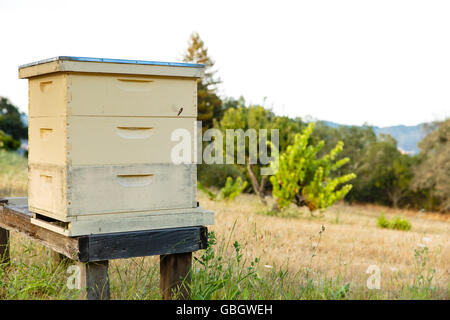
[108, 60]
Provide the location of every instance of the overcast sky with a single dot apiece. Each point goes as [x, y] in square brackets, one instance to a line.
[381, 62]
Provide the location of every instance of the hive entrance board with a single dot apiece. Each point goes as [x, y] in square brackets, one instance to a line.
[112, 223]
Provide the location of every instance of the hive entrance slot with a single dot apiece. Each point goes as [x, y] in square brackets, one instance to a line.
[54, 222]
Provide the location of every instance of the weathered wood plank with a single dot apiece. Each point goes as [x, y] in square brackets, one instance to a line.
[16, 218]
[95, 280]
[142, 243]
[4, 246]
[14, 201]
[105, 246]
[146, 222]
[175, 276]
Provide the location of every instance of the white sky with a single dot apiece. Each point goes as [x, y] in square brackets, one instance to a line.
[381, 62]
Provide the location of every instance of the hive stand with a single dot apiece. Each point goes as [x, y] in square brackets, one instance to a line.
[92, 252]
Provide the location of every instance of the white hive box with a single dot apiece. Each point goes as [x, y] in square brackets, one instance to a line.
[100, 145]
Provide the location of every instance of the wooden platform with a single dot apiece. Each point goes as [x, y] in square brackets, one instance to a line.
[92, 252]
[120, 222]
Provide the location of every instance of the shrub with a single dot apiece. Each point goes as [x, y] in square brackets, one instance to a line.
[211, 195]
[215, 175]
[401, 224]
[232, 189]
[382, 222]
[397, 223]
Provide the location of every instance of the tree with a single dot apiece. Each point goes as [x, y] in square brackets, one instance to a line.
[433, 170]
[12, 128]
[306, 180]
[209, 105]
[231, 103]
[385, 173]
[356, 140]
[244, 118]
[11, 120]
[240, 117]
[288, 129]
[8, 143]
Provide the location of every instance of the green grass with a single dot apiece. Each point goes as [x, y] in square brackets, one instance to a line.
[32, 275]
[221, 272]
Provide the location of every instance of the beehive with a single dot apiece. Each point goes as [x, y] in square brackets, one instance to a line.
[100, 145]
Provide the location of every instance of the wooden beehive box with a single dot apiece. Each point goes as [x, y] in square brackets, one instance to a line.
[100, 145]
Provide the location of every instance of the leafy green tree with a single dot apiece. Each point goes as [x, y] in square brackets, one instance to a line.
[238, 116]
[209, 105]
[8, 143]
[402, 171]
[244, 118]
[12, 128]
[11, 120]
[385, 173]
[288, 129]
[433, 170]
[231, 103]
[305, 179]
[356, 140]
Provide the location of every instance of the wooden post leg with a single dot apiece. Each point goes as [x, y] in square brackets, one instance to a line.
[174, 275]
[95, 280]
[4, 246]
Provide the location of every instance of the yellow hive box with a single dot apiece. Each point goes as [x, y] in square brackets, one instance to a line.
[100, 145]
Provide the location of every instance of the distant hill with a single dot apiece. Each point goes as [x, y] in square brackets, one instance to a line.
[407, 136]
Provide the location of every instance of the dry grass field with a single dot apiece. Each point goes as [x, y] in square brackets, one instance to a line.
[298, 256]
[350, 243]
